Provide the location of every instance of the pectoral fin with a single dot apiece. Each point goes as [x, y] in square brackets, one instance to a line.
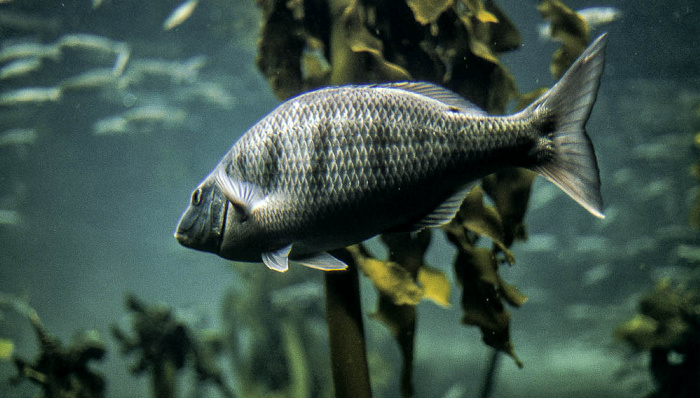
[277, 260]
[246, 195]
[323, 261]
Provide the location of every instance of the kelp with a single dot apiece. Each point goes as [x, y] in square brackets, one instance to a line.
[510, 191]
[281, 33]
[402, 281]
[346, 330]
[7, 348]
[694, 216]
[60, 371]
[453, 43]
[165, 344]
[668, 327]
[477, 218]
[567, 27]
[484, 292]
[276, 355]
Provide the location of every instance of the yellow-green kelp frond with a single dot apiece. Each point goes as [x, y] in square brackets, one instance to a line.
[667, 319]
[402, 281]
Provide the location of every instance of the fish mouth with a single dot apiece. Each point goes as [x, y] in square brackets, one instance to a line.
[185, 240]
[185, 236]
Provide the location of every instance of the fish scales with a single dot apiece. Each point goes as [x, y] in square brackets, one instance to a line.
[336, 166]
[335, 155]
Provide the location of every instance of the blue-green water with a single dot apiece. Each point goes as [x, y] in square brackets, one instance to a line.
[88, 218]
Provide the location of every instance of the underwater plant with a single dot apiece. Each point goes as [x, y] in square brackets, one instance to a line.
[453, 43]
[166, 344]
[668, 327]
[59, 371]
[277, 354]
[694, 217]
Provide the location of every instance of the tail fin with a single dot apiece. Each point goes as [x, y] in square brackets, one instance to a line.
[562, 113]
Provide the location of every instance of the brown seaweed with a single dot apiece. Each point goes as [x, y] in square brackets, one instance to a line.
[667, 326]
[353, 41]
[60, 371]
[570, 29]
[165, 344]
[454, 43]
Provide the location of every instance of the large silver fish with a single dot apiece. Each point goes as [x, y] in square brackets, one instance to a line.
[336, 166]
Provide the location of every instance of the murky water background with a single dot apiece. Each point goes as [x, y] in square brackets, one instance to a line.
[86, 217]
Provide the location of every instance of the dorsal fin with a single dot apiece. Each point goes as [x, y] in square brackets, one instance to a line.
[437, 93]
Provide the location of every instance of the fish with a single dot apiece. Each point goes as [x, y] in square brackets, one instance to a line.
[19, 68]
[123, 53]
[10, 217]
[598, 16]
[156, 113]
[28, 50]
[339, 165]
[14, 137]
[93, 79]
[595, 17]
[140, 119]
[177, 72]
[114, 125]
[180, 14]
[98, 46]
[11, 21]
[206, 92]
[35, 95]
[84, 41]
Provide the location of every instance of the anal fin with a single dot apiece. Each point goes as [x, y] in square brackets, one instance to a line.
[439, 216]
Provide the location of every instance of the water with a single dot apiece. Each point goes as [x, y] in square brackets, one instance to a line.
[98, 211]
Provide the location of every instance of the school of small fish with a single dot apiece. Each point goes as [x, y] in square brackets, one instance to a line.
[47, 68]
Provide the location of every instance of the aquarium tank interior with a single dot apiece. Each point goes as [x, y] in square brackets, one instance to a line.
[112, 112]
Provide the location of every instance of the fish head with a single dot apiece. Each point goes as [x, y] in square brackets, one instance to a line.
[201, 226]
[211, 223]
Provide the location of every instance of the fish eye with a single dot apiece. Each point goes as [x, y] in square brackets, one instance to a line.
[196, 197]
